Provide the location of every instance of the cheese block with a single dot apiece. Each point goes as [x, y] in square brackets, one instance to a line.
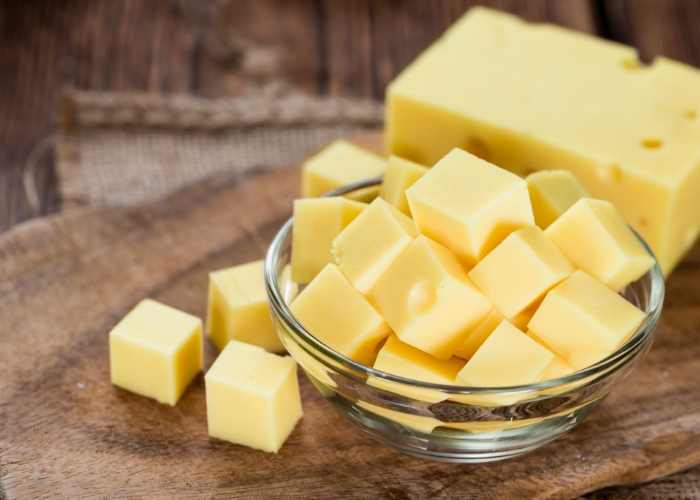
[400, 175]
[532, 97]
[552, 192]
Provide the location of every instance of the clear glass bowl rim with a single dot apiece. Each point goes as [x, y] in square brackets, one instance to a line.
[628, 350]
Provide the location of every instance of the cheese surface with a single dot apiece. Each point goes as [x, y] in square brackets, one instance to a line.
[539, 97]
[558, 368]
[155, 351]
[553, 192]
[252, 397]
[400, 175]
[238, 308]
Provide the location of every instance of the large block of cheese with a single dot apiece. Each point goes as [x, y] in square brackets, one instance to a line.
[399, 358]
[537, 97]
[553, 192]
[583, 320]
[252, 397]
[595, 238]
[155, 351]
[428, 299]
[317, 221]
[334, 312]
[238, 308]
[520, 271]
[400, 175]
[370, 243]
[337, 165]
[469, 205]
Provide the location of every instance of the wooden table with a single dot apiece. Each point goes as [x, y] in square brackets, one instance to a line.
[329, 48]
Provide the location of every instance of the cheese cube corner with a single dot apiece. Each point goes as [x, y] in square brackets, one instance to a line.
[428, 299]
[469, 205]
[252, 397]
[237, 308]
[558, 368]
[400, 175]
[156, 351]
[334, 312]
[553, 192]
[595, 238]
[338, 164]
[584, 321]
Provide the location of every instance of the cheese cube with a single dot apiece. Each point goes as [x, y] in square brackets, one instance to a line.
[528, 97]
[252, 397]
[508, 357]
[596, 239]
[520, 271]
[370, 243]
[552, 192]
[400, 175]
[469, 205]
[428, 299]
[334, 312]
[479, 334]
[399, 358]
[337, 165]
[155, 351]
[557, 368]
[238, 308]
[317, 221]
[583, 320]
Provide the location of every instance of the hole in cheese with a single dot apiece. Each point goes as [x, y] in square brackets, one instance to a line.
[652, 143]
[422, 298]
[610, 172]
[691, 114]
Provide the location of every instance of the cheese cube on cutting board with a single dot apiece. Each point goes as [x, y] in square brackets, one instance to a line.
[371, 242]
[156, 351]
[403, 360]
[469, 205]
[400, 175]
[238, 309]
[583, 320]
[558, 368]
[595, 238]
[339, 164]
[508, 357]
[334, 312]
[252, 397]
[317, 221]
[537, 97]
[553, 192]
[428, 299]
[520, 271]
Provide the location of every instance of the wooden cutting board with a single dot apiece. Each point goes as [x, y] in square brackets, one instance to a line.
[66, 431]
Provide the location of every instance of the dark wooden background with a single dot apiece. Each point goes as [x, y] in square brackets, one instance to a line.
[348, 48]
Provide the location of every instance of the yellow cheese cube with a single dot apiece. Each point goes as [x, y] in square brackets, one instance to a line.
[508, 357]
[252, 397]
[156, 351]
[479, 335]
[400, 175]
[596, 239]
[520, 271]
[521, 320]
[403, 360]
[238, 308]
[317, 221]
[528, 97]
[469, 205]
[371, 242]
[337, 165]
[583, 320]
[552, 192]
[428, 299]
[334, 312]
[558, 368]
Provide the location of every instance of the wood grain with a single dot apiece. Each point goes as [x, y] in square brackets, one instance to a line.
[67, 279]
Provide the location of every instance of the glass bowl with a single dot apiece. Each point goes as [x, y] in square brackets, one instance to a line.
[446, 422]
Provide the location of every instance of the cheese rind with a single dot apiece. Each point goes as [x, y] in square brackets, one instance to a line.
[339, 164]
[428, 299]
[317, 221]
[400, 175]
[252, 397]
[520, 271]
[595, 238]
[237, 308]
[469, 205]
[553, 192]
[583, 320]
[155, 351]
[334, 312]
